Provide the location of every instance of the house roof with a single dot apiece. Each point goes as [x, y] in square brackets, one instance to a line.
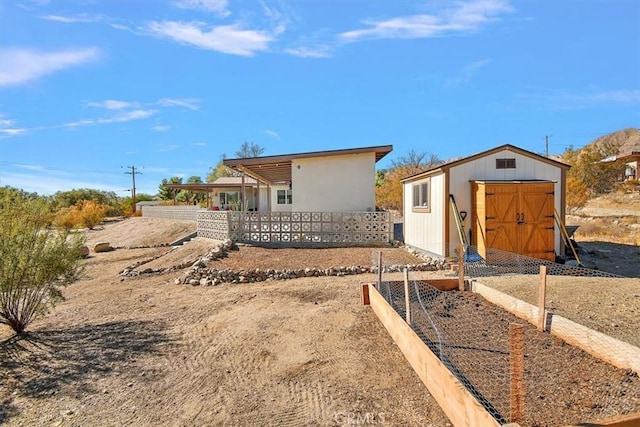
[221, 182]
[445, 166]
[277, 169]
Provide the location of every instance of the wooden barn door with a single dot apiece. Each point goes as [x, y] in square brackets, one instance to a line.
[515, 217]
[536, 222]
[501, 225]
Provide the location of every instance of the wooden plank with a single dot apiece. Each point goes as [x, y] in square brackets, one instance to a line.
[365, 294]
[454, 399]
[542, 296]
[618, 353]
[407, 296]
[461, 255]
[516, 371]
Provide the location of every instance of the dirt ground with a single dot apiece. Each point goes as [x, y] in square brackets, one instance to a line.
[144, 351]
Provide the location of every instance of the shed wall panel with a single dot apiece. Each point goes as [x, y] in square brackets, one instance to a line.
[425, 230]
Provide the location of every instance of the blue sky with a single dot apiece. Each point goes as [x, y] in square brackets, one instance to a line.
[89, 87]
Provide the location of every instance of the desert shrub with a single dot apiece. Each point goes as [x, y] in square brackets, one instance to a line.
[92, 213]
[578, 193]
[35, 262]
[67, 218]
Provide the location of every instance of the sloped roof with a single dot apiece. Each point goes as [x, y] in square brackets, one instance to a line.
[277, 169]
[445, 166]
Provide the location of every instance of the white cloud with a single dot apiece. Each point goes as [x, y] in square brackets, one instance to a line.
[118, 118]
[219, 7]
[272, 134]
[161, 128]
[191, 104]
[463, 17]
[169, 147]
[8, 129]
[8, 132]
[466, 74]
[200, 144]
[231, 39]
[322, 51]
[111, 104]
[19, 66]
[72, 19]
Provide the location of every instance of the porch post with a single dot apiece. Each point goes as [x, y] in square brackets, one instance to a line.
[257, 196]
[243, 193]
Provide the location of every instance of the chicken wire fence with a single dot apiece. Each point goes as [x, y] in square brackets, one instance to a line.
[596, 299]
[478, 356]
[495, 262]
[471, 337]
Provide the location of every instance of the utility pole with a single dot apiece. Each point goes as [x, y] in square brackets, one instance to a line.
[546, 144]
[133, 189]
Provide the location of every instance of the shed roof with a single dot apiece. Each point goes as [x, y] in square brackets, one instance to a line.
[275, 169]
[508, 147]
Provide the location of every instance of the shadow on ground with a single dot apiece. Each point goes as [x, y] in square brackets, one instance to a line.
[615, 258]
[52, 361]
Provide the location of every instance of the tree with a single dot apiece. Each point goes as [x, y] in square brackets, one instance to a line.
[35, 261]
[66, 199]
[389, 190]
[167, 193]
[219, 170]
[188, 196]
[249, 149]
[591, 173]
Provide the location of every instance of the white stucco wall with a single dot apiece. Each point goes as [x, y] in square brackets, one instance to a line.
[334, 183]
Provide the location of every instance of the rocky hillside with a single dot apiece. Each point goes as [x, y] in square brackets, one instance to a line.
[625, 141]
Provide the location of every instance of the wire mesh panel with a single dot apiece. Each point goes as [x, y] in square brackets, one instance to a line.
[455, 329]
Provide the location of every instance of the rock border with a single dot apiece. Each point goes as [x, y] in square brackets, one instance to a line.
[201, 275]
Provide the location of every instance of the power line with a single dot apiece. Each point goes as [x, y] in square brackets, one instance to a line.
[546, 145]
[133, 174]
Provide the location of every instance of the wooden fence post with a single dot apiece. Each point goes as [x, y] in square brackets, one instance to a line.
[365, 294]
[516, 370]
[379, 268]
[542, 295]
[461, 268]
[407, 299]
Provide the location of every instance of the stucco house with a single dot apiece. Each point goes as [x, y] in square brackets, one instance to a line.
[506, 198]
[319, 181]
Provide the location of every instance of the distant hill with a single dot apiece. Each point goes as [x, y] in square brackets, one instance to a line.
[625, 141]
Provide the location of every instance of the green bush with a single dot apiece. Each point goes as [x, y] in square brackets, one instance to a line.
[35, 261]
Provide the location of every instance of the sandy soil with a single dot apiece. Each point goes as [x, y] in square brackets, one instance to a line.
[144, 351]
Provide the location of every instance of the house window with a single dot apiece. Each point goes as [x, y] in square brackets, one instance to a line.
[421, 193]
[284, 197]
[505, 163]
[230, 199]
